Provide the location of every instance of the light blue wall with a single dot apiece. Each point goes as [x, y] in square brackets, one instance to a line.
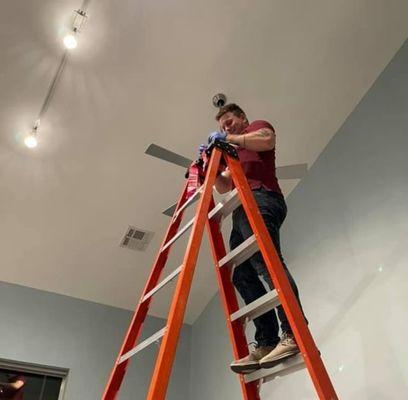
[346, 242]
[210, 357]
[50, 329]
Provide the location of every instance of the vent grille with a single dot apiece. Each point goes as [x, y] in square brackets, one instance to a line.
[135, 234]
[136, 239]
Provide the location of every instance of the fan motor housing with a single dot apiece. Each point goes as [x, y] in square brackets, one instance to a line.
[219, 100]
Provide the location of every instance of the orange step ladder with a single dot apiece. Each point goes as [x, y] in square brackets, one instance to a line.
[208, 214]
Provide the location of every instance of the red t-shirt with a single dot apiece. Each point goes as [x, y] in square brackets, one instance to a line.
[259, 167]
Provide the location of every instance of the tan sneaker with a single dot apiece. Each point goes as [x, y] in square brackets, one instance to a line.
[250, 363]
[286, 347]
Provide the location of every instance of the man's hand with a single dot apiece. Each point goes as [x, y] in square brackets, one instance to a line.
[216, 135]
[203, 147]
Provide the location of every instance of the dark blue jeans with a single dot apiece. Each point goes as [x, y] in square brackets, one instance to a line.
[245, 277]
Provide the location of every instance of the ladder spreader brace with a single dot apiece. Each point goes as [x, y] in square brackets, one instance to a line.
[208, 214]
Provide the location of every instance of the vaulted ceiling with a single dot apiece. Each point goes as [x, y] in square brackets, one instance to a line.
[145, 72]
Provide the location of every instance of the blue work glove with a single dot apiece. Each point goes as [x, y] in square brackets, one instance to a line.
[203, 147]
[216, 135]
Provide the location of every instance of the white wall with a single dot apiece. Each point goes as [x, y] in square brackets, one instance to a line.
[50, 329]
[346, 242]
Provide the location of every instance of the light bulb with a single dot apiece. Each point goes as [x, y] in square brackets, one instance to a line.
[70, 41]
[30, 141]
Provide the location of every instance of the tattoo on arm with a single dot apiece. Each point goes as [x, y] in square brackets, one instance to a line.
[264, 132]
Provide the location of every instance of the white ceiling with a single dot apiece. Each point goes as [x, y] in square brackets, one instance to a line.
[144, 72]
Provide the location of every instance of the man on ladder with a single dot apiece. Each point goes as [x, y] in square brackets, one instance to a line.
[255, 144]
[254, 178]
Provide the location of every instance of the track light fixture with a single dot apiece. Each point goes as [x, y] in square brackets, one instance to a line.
[78, 22]
[70, 42]
[31, 139]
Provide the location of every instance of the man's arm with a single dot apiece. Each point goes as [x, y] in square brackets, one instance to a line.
[263, 139]
[223, 183]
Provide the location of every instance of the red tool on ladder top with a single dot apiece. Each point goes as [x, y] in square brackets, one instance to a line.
[208, 214]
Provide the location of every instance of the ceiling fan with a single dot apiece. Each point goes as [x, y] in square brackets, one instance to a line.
[294, 171]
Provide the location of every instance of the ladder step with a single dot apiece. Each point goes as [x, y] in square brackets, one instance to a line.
[190, 201]
[155, 337]
[241, 253]
[230, 202]
[164, 282]
[258, 307]
[179, 233]
[290, 365]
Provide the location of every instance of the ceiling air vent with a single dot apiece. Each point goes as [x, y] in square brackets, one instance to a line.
[136, 239]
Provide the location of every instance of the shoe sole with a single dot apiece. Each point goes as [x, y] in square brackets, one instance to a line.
[245, 369]
[276, 361]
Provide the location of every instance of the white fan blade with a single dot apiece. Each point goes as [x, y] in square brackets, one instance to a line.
[167, 155]
[170, 211]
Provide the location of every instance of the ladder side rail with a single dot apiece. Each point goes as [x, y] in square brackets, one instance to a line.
[163, 255]
[230, 304]
[165, 358]
[314, 363]
[139, 316]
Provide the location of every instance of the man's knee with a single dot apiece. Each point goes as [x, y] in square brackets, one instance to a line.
[239, 275]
